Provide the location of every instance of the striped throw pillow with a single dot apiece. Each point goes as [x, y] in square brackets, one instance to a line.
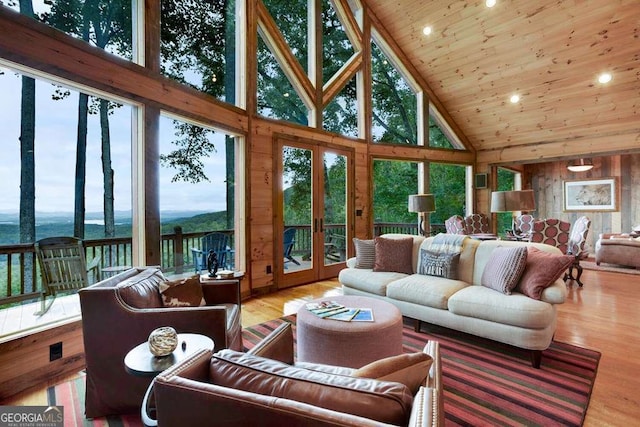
[365, 253]
[504, 268]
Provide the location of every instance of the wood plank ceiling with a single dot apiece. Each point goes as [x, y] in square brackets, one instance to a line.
[550, 52]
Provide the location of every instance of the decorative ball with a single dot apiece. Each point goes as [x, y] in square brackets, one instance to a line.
[163, 341]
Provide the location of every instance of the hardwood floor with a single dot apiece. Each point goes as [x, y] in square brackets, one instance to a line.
[603, 316]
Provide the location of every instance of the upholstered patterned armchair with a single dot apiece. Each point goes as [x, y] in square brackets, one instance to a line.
[551, 231]
[477, 223]
[576, 247]
[455, 225]
[523, 224]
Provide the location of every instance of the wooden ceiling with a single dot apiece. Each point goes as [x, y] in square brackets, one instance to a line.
[550, 52]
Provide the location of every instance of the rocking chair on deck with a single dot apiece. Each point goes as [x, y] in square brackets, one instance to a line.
[63, 267]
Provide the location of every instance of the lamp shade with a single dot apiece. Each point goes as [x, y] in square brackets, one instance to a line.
[580, 165]
[422, 203]
[509, 201]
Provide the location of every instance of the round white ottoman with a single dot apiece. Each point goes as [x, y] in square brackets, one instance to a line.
[350, 344]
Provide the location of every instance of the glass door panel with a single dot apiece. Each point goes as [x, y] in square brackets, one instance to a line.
[335, 208]
[297, 208]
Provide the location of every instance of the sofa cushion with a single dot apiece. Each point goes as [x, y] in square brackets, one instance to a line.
[365, 253]
[515, 309]
[394, 255]
[141, 290]
[185, 292]
[410, 369]
[504, 269]
[542, 270]
[388, 402]
[430, 291]
[368, 280]
[439, 264]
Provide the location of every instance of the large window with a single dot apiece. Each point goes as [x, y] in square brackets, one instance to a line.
[65, 170]
[104, 23]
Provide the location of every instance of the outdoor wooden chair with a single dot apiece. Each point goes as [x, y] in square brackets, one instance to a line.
[217, 242]
[289, 241]
[335, 248]
[63, 267]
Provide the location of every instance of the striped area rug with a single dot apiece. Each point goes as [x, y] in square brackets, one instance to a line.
[70, 394]
[485, 383]
[492, 384]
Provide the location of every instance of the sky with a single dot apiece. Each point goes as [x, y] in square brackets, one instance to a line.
[56, 129]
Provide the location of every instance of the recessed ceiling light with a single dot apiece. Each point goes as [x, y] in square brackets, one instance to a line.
[604, 78]
[426, 30]
[514, 99]
[490, 3]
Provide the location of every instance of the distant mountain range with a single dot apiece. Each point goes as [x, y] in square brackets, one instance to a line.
[61, 224]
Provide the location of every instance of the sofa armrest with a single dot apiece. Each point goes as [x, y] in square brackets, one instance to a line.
[426, 410]
[428, 404]
[556, 293]
[351, 262]
[278, 345]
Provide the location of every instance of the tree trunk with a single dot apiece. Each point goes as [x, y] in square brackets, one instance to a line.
[81, 166]
[27, 165]
[107, 171]
[230, 97]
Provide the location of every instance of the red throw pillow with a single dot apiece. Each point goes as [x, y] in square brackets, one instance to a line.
[394, 254]
[543, 268]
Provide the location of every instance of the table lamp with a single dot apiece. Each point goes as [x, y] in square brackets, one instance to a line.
[511, 201]
[422, 204]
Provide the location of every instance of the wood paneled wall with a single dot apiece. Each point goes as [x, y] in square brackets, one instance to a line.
[546, 179]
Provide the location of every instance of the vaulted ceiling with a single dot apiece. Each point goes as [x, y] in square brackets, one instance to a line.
[549, 52]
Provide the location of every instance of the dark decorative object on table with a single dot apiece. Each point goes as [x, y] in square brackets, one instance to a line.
[212, 263]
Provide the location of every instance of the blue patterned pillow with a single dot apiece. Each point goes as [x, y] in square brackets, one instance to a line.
[439, 264]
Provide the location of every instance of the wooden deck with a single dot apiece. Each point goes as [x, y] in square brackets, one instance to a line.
[22, 319]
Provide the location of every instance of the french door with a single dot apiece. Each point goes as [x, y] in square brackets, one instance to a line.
[313, 206]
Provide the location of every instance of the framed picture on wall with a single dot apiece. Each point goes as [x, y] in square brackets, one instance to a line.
[599, 194]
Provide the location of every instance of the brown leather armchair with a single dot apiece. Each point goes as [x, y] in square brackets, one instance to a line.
[120, 312]
[196, 391]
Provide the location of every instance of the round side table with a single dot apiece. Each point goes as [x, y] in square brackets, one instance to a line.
[140, 360]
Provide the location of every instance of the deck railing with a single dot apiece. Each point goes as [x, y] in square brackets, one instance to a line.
[20, 274]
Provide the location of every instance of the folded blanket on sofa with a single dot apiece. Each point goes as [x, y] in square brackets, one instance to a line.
[447, 243]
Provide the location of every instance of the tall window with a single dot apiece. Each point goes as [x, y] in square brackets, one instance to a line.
[507, 180]
[197, 186]
[394, 104]
[198, 45]
[447, 183]
[393, 181]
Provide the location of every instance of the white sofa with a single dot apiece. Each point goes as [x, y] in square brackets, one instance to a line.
[464, 304]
